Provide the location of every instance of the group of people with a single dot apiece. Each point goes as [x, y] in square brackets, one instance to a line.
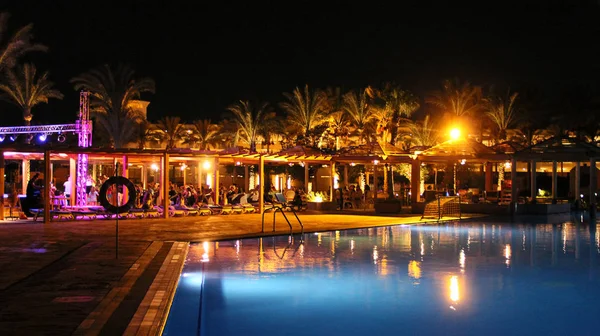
[352, 196]
[190, 195]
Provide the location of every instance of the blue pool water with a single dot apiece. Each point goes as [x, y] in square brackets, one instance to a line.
[449, 279]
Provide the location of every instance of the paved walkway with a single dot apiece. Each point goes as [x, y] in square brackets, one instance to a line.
[64, 277]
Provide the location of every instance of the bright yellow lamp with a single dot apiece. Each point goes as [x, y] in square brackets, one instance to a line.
[455, 133]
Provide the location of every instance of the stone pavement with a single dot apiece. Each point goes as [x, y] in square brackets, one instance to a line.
[64, 277]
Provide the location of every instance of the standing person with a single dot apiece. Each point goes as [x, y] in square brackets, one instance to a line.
[93, 196]
[67, 187]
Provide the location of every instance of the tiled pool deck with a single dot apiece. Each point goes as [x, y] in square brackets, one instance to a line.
[64, 278]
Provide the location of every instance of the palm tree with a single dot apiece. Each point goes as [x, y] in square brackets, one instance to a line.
[270, 130]
[205, 133]
[458, 100]
[171, 131]
[502, 112]
[13, 47]
[229, 133]
[338, 126]
[359, 111]
[145, 133]
[26, 90]
[249, 120]
[423, 133]
[394, 104]
[111, 95]
[305, 108]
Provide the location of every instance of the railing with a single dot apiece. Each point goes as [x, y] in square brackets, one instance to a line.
[279, 208]
[443, 206]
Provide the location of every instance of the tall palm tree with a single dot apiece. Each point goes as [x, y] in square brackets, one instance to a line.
[26, 90]
[229, 133]
[145, 133]
[502, 112]
[111, 94]
[249, 119]
[359, 111]
[395, 103]
[338, 126]
[423, 133]
[270, 130]
[205, 133]
[306, 108]
[456, 98]
[171, 131]
[12, 47]
[460, 101]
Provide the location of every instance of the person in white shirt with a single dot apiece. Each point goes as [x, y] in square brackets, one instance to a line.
[67, 187]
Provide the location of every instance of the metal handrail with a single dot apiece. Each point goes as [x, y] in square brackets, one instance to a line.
[280, 209]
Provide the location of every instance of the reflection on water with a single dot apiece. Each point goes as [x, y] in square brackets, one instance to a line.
[457, 278]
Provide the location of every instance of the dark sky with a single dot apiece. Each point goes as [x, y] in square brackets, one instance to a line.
[206, 56]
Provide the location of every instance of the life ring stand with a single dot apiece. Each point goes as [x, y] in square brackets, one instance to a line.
[118, 181]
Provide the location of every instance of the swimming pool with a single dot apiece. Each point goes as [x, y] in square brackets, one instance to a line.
[447, 279]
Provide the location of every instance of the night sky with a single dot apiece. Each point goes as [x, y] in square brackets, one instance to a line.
[206, 56]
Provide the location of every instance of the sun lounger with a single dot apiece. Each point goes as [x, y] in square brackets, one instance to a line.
[248, 208]
[232, 209]
[37, 213]
[137, 213]
[61, 214]
[83, 214]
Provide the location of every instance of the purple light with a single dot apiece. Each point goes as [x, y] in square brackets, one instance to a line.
[42, 137]
[12, 138]
[2, 136]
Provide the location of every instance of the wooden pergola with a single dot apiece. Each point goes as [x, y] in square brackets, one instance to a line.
[556, 150]
[456, 151]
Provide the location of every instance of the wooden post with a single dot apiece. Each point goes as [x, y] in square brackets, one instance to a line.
[346, 179]
[165, 184]
[125, 173]
[47, 181]
[25, 174]
[306, 176]
[199, 174]
[246, 178]
[261, 190]
[513, 177]
[488, 176]
[216, 179]
[554, 180]
[415, 181]
[331, 181]
[577, 179]
[533, 181]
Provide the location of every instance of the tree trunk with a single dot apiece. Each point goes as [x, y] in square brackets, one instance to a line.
[27, 116]
[394, 128]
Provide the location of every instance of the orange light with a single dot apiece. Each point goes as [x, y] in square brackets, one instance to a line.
[455, 133]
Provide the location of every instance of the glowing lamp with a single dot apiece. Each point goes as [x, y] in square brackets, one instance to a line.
[2, 137]
[154, 167]
[206, 165]
[455, 133]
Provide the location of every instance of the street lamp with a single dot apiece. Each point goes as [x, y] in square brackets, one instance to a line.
[455, 133]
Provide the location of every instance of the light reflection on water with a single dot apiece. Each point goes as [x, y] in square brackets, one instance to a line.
[457, 278]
